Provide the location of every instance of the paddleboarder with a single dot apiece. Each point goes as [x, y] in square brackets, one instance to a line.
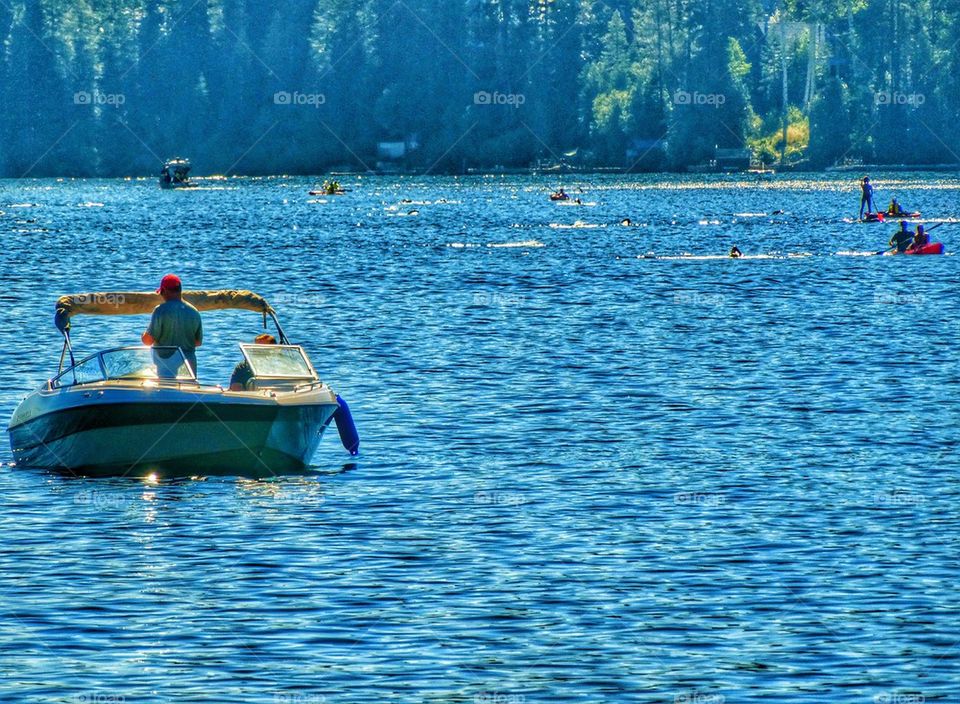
[866, 196]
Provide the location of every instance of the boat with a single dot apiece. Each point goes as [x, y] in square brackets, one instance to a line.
[140, 411]
[330, 188]
[931, 248]
[883, 217]
[176, 174]
[559, 196]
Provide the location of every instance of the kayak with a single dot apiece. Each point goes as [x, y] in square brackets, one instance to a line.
[932, 248]
[557, 196]
[882, 217]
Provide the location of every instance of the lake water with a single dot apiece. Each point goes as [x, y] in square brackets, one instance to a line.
[588, 473]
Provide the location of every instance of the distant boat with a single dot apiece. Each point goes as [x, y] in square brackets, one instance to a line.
[176, 174]
[330, 188]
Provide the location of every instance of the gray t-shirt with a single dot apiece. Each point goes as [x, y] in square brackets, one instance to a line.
[177, 324]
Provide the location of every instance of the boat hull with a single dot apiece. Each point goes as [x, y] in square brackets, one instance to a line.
[170, 433]
[887, 217]
[932, 248]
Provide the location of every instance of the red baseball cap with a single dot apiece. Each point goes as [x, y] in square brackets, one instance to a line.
[170, 282]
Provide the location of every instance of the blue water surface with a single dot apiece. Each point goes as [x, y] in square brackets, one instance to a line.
[599, 462]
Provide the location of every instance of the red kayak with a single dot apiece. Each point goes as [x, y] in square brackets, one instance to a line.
[883, 217]
[932, 248]
[558, 196]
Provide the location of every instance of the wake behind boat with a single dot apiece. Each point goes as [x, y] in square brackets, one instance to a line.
[141, 410]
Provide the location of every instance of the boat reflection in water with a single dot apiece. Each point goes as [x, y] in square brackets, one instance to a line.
[141, 411]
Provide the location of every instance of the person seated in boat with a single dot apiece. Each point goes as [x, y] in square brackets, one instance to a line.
[174, 323]
[242, 373]
[894, 208]
[866, 196]
[626, 222]
[560, 195]
[735, 252]
[903, 238]
[921, 239]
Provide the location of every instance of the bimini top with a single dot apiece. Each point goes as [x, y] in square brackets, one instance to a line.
[141, 303]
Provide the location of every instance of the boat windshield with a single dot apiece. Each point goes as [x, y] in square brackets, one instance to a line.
[146, 363]
[158, 363]
[278, 361]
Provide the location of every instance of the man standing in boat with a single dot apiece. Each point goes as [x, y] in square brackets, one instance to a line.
[174, 323]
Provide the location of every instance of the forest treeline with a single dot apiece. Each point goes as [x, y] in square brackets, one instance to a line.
[112, 87]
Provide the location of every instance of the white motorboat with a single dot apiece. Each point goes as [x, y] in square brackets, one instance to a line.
[176, 174]
[141, 410]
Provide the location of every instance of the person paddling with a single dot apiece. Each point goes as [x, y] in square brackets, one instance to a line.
[903, 238]
[921, 239]
[866, 196]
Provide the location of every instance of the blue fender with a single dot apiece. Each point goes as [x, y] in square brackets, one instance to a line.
[346, 427]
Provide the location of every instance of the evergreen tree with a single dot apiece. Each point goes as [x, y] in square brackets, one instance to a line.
[112, 87]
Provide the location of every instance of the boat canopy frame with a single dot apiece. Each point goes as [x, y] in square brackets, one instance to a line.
[140, 303]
